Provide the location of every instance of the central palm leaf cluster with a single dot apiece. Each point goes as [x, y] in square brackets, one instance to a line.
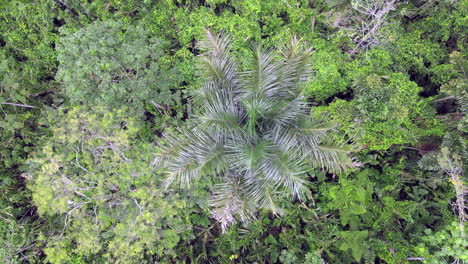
[252, 132]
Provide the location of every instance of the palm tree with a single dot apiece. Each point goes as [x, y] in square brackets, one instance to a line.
[251, 132]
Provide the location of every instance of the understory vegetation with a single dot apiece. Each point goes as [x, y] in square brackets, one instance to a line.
[222, 131]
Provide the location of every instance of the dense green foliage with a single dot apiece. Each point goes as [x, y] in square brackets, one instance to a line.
[96, 174]
[116, 65]
[92, 91]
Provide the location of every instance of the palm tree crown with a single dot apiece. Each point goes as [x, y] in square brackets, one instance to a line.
[252, 131]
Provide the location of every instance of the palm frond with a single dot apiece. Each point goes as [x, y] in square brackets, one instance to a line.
[244, 153]
[298, 66]
[302, 137]
[258, 110]
[259, 192]
[289, 114]
[221, 115]
[186, 158]
[215, 44]
[265, 73]
[281, 171]
[183, 168]
[268, 198]
[331, 157]
[229, 203]
[217, 63]
[208, 150]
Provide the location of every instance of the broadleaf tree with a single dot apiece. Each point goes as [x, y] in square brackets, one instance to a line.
[251, 131]
[93, 178]
[117, 65]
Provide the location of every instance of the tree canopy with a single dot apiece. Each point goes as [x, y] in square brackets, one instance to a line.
[296, 131]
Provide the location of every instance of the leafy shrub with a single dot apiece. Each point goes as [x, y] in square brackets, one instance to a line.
[330, 67]
[445, 245]
[386, 109]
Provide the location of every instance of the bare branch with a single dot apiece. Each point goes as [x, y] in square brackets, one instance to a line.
[364, 26]
[415, 258]
[20, 105]
[443, 99]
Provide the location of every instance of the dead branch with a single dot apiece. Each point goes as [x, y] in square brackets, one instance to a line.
[20, 105]
[368, 18]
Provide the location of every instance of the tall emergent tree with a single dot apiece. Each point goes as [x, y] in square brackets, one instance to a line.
[251, 132]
